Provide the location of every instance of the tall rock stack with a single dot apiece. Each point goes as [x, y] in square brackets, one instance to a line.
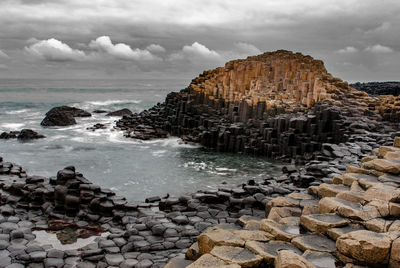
[275, 104]
[269, 81]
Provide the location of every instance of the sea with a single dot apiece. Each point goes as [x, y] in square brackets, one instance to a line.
[132, 168]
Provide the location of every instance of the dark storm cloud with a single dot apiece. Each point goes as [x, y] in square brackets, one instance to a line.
[358, 40]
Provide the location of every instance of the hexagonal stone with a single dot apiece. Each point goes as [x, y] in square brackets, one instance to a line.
[314, 242]
[55, 253]
[347, 209]
[238, 255]
[279, 231]
[289, 259]
[217, 237]
[322, 222]
[129, 263]
[114, 259]
[208, 260]
[365, 246]
[331, 190]
[334, 233]
[320, 259]
[253, 235]
[38, 256]
[53, 262]
[270, 250]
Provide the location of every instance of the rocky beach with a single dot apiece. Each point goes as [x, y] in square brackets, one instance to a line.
[333, 203]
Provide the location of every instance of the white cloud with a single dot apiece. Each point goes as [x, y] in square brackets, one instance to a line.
[155, 48]
[199, 50]
[55, 50]
[379, 49]
[3, 67]
[3, 55]
[121, 51]
[347, 50]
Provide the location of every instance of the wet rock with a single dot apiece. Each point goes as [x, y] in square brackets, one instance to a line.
[29, 134]
[237, 255]
[63, 116]
[121, 112]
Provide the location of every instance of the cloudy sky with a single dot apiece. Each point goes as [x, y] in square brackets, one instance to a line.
[358, 40]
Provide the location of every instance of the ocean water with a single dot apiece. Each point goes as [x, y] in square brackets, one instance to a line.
[132, 168]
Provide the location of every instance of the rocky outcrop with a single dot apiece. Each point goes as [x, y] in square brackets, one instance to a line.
[23, 135]
[121, 112]
[63, 116]
[275, 104]
[352, 222]
[378, 88]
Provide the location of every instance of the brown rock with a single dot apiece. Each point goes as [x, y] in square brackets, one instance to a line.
[208, 260]
[269, 251]
[217, 237]
[193, 253]
[366, 247]
[289, 259]
[320, 223]
[279, 231]
[314, 242]
[237, 255]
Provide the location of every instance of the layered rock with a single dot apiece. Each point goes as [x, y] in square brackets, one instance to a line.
[275, 104]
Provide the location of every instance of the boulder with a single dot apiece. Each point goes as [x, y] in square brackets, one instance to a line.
[29, 134]
[121, 112]
[63, 116]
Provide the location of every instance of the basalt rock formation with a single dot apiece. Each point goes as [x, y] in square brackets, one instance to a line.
[379, 88]
[350, 222]
[275, 104]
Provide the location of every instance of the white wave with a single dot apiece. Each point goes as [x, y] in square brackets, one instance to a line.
[159, 153]
[176, 143]
[12, 126]
[110, 102]
[226, 169]
[18, 111]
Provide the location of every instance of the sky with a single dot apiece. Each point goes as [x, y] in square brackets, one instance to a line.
[358, 40]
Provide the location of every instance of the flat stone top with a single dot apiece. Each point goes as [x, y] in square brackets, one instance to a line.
[273, 247]
[314, 242]
[328, 218]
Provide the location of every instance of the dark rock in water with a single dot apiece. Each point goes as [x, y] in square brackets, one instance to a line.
[25, 134]
[63, 116]
[9, 135]
[121, 112]
[100, 111]
[97, 126]
[29, 134]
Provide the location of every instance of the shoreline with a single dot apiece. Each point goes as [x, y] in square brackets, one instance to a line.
[144, 234]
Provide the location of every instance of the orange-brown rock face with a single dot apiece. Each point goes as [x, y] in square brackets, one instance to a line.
[278, 79]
